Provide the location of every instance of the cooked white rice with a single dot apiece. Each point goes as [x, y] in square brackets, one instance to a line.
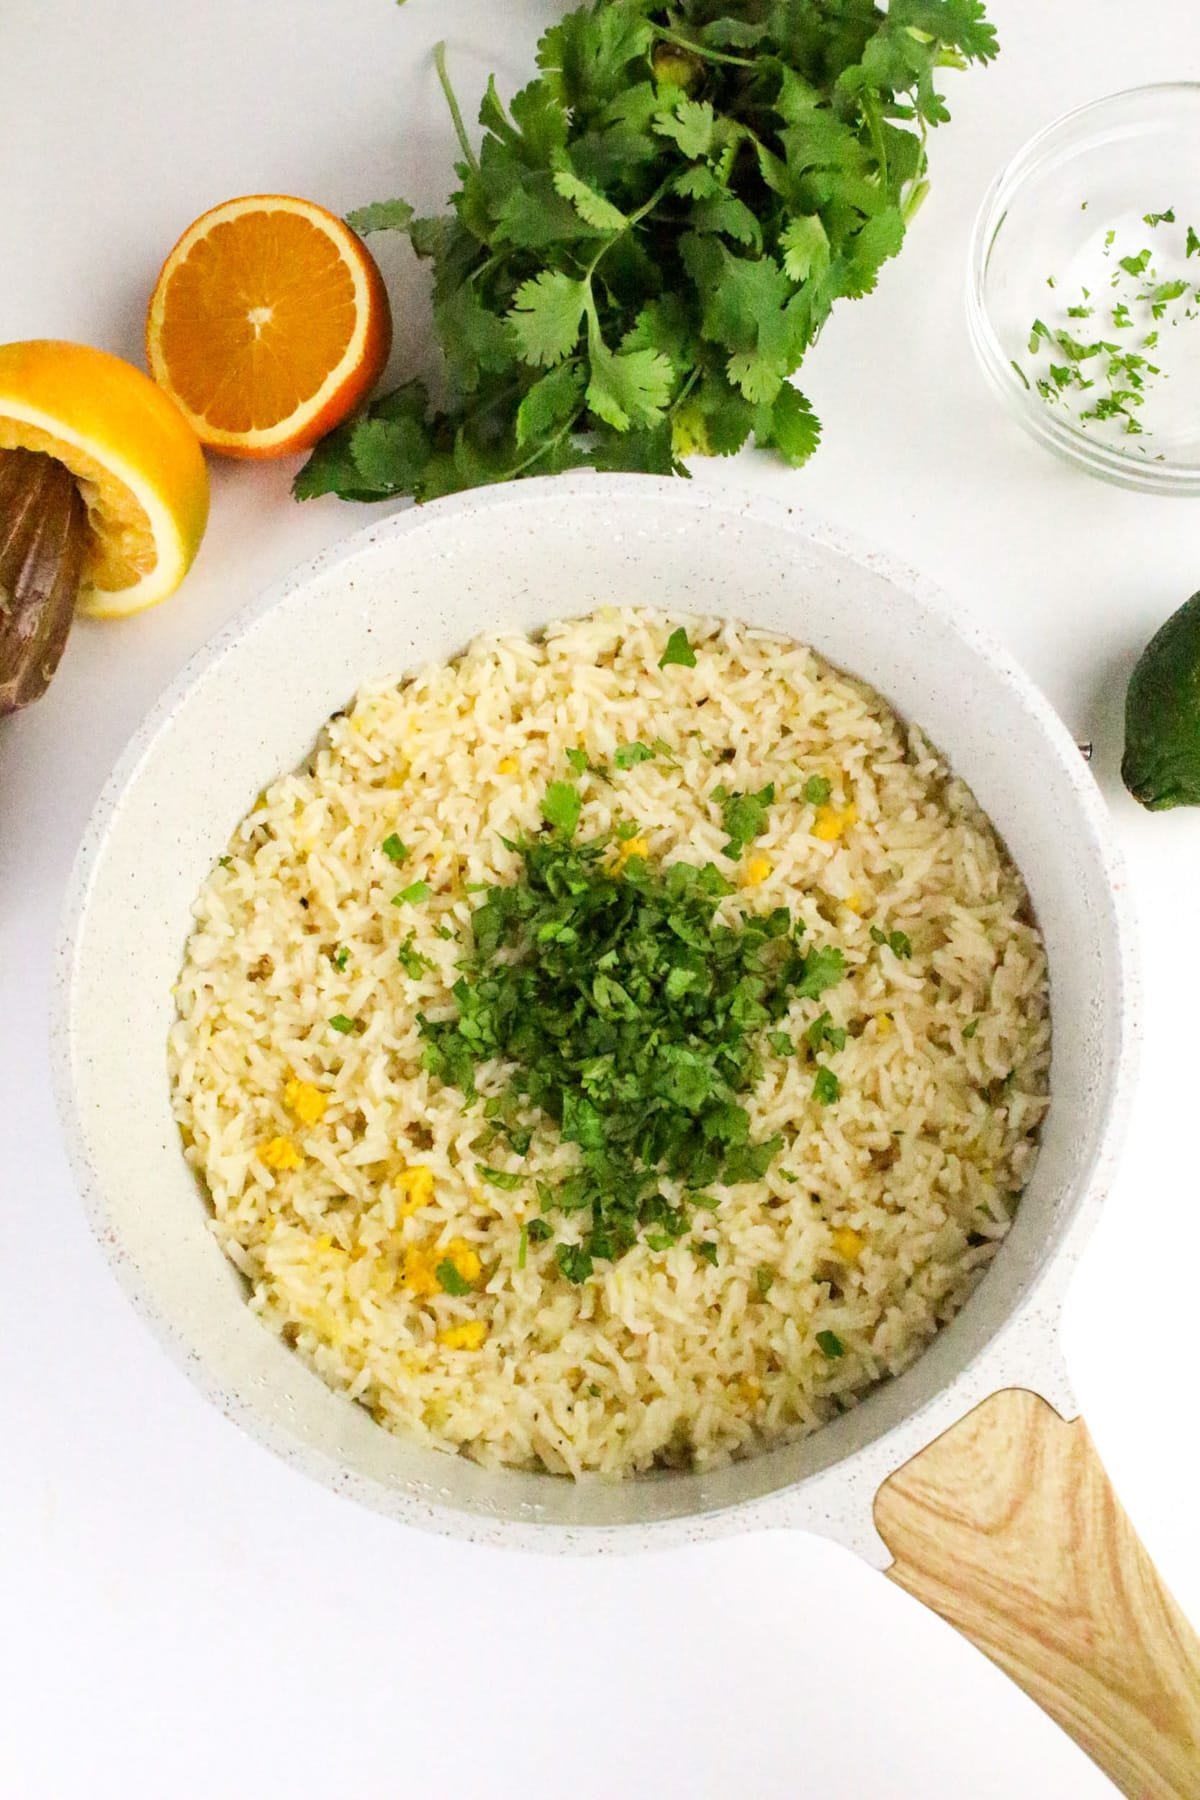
[875, 1220]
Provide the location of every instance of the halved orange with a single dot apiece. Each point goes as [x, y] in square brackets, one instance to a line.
[268, 324]
[136, 460]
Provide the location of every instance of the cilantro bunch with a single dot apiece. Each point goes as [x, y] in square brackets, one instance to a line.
[628, 1013]
[653, 233]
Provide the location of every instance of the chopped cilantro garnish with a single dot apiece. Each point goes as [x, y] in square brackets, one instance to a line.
[628, 1015]
[706, 1202]
[341, 958]
[830, 1345]
[443, 931]
[817, 790]
[781, 1043]
[897, 941]
[629, 754]
[450, 1281]
[970, 1030]
[393, 849]
[574, 1260]
[523, 1247]
[410, 958]
[823, 1031]
[224, 862]
[578, 760]
[764, 1279]
[706, 1250]
[501, 1178]
[537, 1231]
[628, 828]
[341, 1023]
[678, 650]
[561, 807]
[744, 817]
[822, 969]
[414, 892]
[826, 1086]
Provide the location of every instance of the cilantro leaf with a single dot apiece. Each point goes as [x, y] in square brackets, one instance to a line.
[413, 894]
[826, 1086]
[699, 186]
[410, 958]
[550, 404]
[744, 816]
[561, 806]
[591, 206]
[547, 316]
[380, 215]
[629, 754]
[817, 790]
[575, 1262]
[822, 969]
[830, 1344]
[628, 387]
[501, 1178]
[678, 650]
[393, 849]
[450, 1281]
[690, 125]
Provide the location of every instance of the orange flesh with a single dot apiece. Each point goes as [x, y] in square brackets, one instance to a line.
[255, 318]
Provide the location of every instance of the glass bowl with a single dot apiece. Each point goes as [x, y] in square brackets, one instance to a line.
[1083, 300]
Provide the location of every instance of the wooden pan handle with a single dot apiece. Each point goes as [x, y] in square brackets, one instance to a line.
[1009, 1528]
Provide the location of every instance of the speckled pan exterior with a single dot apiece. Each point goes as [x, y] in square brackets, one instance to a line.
[417, 587]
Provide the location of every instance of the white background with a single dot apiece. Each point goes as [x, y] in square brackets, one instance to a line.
[181, 1617]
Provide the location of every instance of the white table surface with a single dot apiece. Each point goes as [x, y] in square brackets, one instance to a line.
[183, 1618]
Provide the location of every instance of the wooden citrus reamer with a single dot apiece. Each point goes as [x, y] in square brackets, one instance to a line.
[1008, 1527]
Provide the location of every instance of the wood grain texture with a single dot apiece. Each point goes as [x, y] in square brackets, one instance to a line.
[1009, 1528]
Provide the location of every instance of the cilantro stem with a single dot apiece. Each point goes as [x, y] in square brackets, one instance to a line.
[460, 130]
[717, 56]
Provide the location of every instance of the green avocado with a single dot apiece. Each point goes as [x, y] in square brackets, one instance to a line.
[1161, 765]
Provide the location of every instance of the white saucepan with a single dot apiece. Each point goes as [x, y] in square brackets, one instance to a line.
[960, 1476]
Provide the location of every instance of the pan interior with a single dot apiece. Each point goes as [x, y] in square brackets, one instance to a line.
[417, 589]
